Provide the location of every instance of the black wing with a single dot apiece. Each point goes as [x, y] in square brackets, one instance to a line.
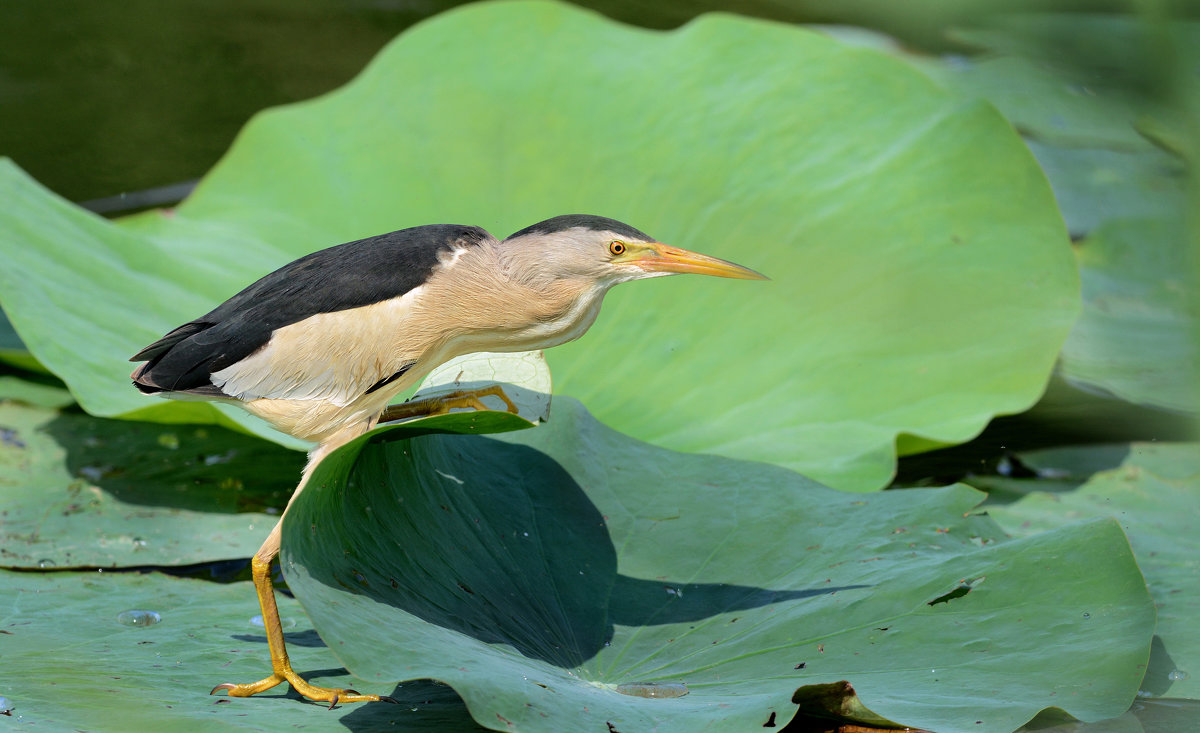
[347, 276]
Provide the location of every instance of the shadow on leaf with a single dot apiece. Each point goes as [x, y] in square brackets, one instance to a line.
[194, 467]
[496, 541]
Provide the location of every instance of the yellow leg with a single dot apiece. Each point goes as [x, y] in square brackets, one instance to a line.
[260, 565]
[440, 405]
[281, 668]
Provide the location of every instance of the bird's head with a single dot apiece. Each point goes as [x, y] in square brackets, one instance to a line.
[604, 252]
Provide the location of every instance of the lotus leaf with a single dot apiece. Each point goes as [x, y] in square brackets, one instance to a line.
[72, 665]
[1136, 338]
[1153, 490]
[922, 279]
[544, 573]
[80, 491]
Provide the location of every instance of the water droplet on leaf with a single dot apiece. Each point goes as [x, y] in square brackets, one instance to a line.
[653, 689]
[136, 617]
[284, 623]
[46, 562]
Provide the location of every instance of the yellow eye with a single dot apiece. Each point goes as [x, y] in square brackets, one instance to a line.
[616, 248]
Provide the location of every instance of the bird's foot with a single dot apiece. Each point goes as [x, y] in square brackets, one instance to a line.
[317, 694]
[471, 399]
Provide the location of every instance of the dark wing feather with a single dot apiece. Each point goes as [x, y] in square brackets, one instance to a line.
[165, 343]
[347, 276]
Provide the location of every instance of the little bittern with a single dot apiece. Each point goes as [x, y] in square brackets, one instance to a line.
[319, 347]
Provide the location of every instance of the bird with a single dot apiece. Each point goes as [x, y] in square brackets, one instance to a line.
[320, 347]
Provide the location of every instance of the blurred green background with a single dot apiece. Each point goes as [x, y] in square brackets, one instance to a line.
[105, 98]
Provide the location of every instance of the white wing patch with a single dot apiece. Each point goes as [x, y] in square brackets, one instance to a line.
[332, 357]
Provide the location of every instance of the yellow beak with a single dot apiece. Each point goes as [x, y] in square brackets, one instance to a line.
[659, 257]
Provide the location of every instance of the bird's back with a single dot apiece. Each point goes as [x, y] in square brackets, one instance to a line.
[350, 275]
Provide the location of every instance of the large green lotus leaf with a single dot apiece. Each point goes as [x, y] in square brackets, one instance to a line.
[1136, 337]
[922, 281]
[77, 288]
[70, 664]
[540, 572]
[80, 491]
[1153, 490]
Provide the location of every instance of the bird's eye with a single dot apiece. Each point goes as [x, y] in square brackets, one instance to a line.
[616, 248]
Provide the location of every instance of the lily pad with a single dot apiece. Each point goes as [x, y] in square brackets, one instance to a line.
[1153, 490]
[1147, 715]
[1099, 185]
[1053, 105]
[80, 491]
[901, 224]
[552, 576]
[1136, 337]
[1084, 90]
[82, 669]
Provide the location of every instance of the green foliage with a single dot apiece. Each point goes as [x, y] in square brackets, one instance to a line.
[1092, 97]
[536, 575]
[1153, 490]
[80, 491]
[12, 349]
[898, 222]
[1135, 337]
[73, 666]
[922, 284]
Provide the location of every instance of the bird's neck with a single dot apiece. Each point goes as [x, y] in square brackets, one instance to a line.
[493, 310]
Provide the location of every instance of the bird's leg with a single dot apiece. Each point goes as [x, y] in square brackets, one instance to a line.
[441, 404]
[281, 668]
